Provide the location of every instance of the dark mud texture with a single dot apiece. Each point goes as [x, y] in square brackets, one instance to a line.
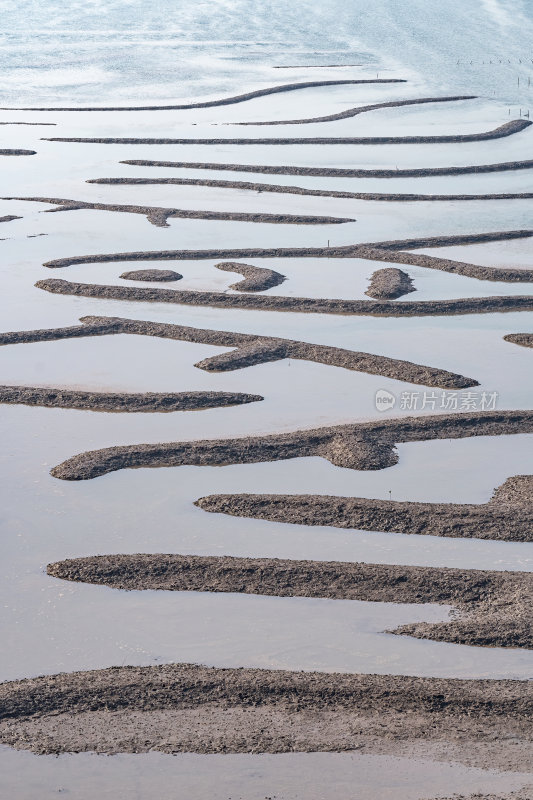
[507, 129]
[396, 252]
[248, 349]
[353, 112]
[299, 190]
[389, 283]
[160, 275]
[361, 446]
[494, 607]
[523, 339]
[189, 708]
[256, 279]
[308, 305]
[341, 172]
[9, 218]
[4, 152]
[159, 216]
[120, 401]
[508, 516]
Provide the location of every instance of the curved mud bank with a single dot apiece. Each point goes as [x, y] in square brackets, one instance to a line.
[249, 349]
[121, 401]
[9, 218]
[389, 283]
[353, 112]
[159, 216]
[391, 251]
[163, 275]
[256, 279]
[282, 189]
[309, 305]
[190, 708]
[224, 101]
[523, 339]
[493, 606]
[340, 172]
[362, 446]
[10, 152]
[507, 129]
[508, 516]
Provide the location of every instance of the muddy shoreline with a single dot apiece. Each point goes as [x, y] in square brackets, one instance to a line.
[492, 605]
[507, 129]
[508, 516]
[309, 305]
[224, 101]
[158, 216]
[523, 339]
[360, 446]
[298, 190]
[149, 402]
[249, 349]
[191, 708]
[256, 279]
[389, 283]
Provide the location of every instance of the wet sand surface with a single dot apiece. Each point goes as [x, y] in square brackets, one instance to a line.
[449, 712]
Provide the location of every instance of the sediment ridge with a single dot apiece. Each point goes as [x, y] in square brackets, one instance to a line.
[507, 129]
[360, 446]
[508, 516]
[389, 283]
[191, 708]
[162, 275]
[492, 606]
[11, 152]
[523, 339]
[249, 349]
[256, 279]
[58, 397]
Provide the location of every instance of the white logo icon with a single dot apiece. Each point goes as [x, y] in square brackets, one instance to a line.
[384, 400]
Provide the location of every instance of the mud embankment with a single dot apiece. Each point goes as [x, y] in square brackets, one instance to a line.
[389, 283]
[190, 708]
[493, 607]
[256, 279]
[361, 446]
[523, 339]
[59, 397]
[507, 517]
[11, 152]
[161, 275]
[249, 349]
[507, 129]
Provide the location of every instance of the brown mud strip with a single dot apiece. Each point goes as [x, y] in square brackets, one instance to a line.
[309, 305]
[507, 129]
[5, 152]
[41, 124]
[256, 279]
[492, 608]
[190, 708]
[392, 251]
[353, 112]
[249, 349]
[389, 283]
[360, 446]
[58, 397]
[162, 275]
[338, 172]
[523, 339]
[9, 218]
[224, 101]
[508, 516]
[158, 216]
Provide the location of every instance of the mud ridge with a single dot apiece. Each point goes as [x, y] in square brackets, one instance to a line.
[523, 339]
[11, 152]
[224, 101]
[341, 172]
[249, 349]
[508, 516]
[507, 129]
[353, 112]
[256, 279]
[58, 397]
[158, 216]
[41, 124]
[9, 218]
[360, 446]
[493, 606]
[309, 305]
[191, 708]
[163, 275]
[282, 189]
[392, 251]
[389, 283]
